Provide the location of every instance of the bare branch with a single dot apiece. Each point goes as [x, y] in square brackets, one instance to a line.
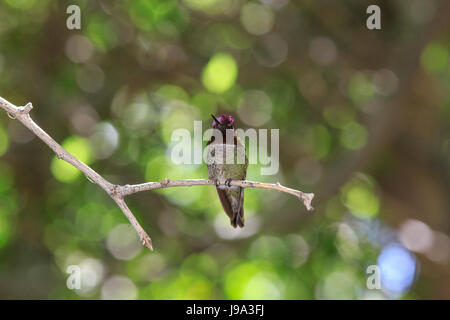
[22, 114]
[125, 190]
[116, 192]
[145, 239]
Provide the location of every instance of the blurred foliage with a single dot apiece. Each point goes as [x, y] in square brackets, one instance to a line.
[364, 119]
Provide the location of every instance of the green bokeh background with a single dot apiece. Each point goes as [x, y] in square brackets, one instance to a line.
[364, 119]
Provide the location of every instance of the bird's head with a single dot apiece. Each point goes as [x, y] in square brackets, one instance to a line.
[223, 122]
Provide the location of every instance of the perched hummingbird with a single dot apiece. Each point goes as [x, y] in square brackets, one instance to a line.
[220, 151]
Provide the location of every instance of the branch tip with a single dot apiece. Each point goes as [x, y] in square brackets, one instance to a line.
[146, 241]
[307, 199]
[27, 108]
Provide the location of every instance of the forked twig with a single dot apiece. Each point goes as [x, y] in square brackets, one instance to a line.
[119, 192]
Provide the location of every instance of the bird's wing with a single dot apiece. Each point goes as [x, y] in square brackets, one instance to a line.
[226, 201]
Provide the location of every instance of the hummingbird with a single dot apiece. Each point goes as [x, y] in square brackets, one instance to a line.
[220, 169]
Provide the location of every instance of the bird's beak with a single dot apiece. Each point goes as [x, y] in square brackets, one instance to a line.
[215, 119]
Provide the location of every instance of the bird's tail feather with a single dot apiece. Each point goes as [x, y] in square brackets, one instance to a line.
[238, 219]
